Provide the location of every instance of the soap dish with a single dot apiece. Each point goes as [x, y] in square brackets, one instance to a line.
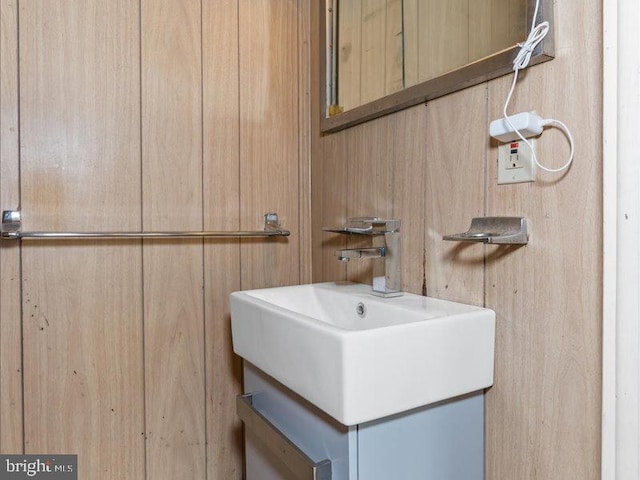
[495, 230]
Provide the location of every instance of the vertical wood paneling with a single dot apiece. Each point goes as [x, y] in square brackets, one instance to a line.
[333, 198]
[172, 199]
[10, 315]
[304, 139]
[369, 184]
[375, 169]
[328, 186]
[318, 184]
[543, 412]
[82, 358]
[507, 33]
[480, 21]
[372, 60]
[394, 62]
[409, 199]
[387, 45]
[221, 170]
[495, 25]
[81, 74]
[546, 401]
[443, 37]
[91, 124]
[370, 50]
[410, 29]
[79, 84]
[455, 170]
[349, 53]
[269, 132]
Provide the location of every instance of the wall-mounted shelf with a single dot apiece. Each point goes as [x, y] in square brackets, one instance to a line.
[495, 230]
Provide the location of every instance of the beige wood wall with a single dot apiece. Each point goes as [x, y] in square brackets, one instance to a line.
[385, 46]
[434, 168]
[157, 115]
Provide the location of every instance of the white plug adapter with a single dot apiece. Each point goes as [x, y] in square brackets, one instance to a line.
[528, 124]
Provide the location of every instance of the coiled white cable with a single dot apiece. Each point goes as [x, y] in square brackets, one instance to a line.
[536, 35]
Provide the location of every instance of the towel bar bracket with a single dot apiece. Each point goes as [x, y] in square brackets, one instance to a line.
[11, 221]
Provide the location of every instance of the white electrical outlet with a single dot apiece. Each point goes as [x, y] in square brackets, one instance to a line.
[515, 163]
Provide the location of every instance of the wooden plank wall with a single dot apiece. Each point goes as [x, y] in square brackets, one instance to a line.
[448, 22]
[79, 131]
[221, 135]
[495, 25]
[466, 30]
[387, 45]
[172, 198]
[370, 49]
[268, 181]
[11, 425]
[434, 168]
[154, 114]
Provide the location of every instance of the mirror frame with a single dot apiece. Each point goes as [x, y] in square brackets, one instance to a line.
[482, 70]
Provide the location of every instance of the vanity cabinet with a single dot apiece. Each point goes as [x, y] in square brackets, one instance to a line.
[287, 438]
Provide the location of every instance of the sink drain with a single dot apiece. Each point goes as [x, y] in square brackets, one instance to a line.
[361, 310]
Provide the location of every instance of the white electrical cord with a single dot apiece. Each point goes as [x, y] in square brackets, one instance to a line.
[536, 35]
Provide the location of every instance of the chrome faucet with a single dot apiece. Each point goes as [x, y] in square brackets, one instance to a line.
[387, 277]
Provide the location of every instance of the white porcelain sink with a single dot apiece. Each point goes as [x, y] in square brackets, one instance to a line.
[404, 353]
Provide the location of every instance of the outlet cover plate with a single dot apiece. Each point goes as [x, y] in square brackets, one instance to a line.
[515, 163]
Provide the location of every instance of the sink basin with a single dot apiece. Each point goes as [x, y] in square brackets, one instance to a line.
[360, 357]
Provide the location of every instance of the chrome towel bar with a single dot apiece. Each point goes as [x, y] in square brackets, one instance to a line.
[12, 222]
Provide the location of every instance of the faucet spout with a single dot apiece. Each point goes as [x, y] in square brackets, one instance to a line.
[387, 275]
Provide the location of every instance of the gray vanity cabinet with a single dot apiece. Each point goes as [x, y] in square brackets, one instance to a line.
[285, 433]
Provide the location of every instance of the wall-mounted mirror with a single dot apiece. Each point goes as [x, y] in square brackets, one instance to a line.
[386, 55]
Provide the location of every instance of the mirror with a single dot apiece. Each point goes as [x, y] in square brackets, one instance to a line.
[386, 55]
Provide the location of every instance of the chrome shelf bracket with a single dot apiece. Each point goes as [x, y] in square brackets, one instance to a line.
[494, 230]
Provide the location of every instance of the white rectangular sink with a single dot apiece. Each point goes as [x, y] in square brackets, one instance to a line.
[401, 353]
